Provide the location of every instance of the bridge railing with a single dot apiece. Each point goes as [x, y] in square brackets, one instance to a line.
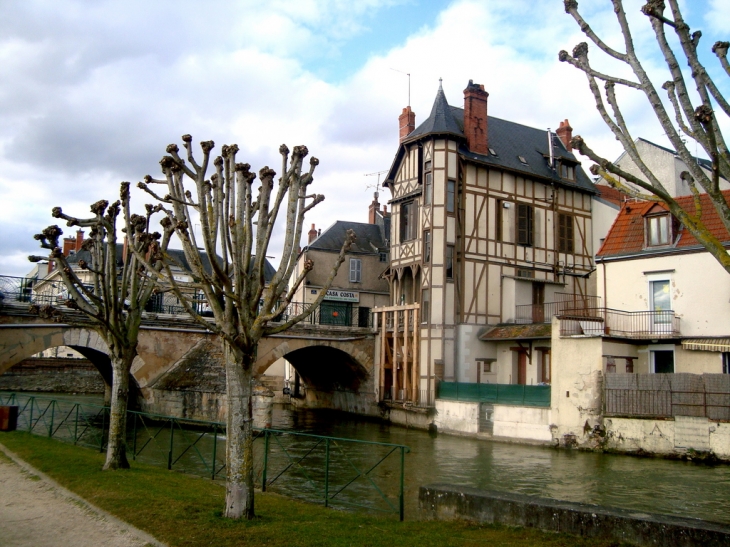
[329, 470]
[24, 290]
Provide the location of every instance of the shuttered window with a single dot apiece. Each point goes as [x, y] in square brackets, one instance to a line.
[525, 222]
[355, 270]
[565, 233]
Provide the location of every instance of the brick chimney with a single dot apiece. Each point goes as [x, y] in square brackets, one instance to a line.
[79, 239]
[373, 209]
[565, 132]
[406, 122]
[69, 244]
[312, 234]
[475, 118]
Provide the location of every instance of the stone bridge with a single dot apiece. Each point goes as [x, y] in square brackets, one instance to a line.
[179, 368]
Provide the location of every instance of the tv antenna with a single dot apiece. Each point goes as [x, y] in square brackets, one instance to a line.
[409, 83]
[377, 185]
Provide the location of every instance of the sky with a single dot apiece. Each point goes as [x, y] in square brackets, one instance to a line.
[92, 91]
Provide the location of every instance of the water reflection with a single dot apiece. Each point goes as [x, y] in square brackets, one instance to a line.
[641, 484]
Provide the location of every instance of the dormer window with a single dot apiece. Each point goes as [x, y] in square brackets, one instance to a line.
[567, 171]
[657, 230]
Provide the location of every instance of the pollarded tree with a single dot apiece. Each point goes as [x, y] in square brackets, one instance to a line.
[237, 228]
[686, 113]
[111, 289]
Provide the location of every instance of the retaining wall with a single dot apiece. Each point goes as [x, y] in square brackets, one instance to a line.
[445, 502]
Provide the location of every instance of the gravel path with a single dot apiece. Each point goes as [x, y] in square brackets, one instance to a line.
[36, 511]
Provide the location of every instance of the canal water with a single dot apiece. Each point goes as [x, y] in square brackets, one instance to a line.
[640, 484]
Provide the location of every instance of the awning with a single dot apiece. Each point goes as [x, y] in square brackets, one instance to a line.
[707, 344]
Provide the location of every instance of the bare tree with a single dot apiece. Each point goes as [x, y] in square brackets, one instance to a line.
[112, 291]
[685, 113]
[236, 230]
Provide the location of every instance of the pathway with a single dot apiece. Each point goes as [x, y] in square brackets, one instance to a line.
[36, 511]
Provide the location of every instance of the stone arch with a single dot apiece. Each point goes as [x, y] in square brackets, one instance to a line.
[326, 364]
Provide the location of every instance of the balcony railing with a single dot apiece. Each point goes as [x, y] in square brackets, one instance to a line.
[565, 304]
[621, 324]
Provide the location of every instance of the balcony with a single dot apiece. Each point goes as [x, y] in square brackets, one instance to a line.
[638, 325]
[565, 304]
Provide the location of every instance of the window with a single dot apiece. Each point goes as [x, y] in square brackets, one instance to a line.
[355, 270]
[525, 221]
[565, 233]
[498, 218]
[427, 183]
[657, 230]
[661, 301]
[383, 257]
[426, 246]
[408, 220]
[487, 366]
[425, 306]
[449, 262]
[451, 196]
[726, 363]
[567, 171]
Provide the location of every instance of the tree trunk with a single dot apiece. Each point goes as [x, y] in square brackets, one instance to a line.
[116, 452]
[239, 434]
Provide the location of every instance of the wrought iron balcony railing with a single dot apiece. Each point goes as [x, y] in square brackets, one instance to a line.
[621, 324]
[565, 304]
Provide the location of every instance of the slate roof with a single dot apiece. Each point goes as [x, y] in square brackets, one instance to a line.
[177, 254]
[626, 236]
[369, 238]
[508, 139]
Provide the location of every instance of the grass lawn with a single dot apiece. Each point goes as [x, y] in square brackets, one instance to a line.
[183, 510]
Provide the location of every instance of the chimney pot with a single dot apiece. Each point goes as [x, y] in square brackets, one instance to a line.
[475, 118]
[312, 234]
[565, 133]
[406, 122]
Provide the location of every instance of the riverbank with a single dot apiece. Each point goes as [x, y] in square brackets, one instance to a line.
[181, 510]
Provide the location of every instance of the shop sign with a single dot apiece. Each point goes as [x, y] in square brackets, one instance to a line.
[342, 296]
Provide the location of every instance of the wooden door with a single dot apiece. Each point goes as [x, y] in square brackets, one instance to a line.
[538, 301]
[522, 368]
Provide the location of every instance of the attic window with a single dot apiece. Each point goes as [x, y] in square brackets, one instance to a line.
[522, 159]
[657, 230]
[492, 151]
[567, 171]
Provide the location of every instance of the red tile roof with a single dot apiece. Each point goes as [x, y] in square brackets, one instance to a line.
[611, 194]
[626, 236]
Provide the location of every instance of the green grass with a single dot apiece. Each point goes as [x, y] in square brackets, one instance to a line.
[183, 510]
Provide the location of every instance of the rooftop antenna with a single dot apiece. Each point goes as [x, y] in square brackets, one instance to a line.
[409, 83]
[376, 186]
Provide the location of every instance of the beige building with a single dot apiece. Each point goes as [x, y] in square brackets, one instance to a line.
[491, 230]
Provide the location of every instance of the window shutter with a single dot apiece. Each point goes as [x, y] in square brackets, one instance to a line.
[524, 224]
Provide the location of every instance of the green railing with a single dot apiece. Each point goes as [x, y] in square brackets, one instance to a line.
[335, 471]
[505, 394]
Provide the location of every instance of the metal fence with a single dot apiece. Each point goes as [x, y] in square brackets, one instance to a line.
[623, 324]
[419, 398]
[22, 290]
[335, 471]
[668, 395]
[506, 394]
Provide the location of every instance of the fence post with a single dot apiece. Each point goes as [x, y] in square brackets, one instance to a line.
[326, 472]
[50, 427]
[76, 424]
[134, 436]
[172, 436]
[215, 447]
[103, 426]
[402, 481]
[266, 460]
[30, 422]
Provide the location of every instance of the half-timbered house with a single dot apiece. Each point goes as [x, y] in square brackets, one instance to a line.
[490, 234]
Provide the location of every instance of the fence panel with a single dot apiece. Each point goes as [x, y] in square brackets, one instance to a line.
[506, 394]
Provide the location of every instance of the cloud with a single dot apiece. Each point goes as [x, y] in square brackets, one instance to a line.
[93, 92]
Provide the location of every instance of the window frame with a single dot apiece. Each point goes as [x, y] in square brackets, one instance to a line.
[425, 305]
[408, 221]
[566, 233]
[427, 182]
[651, 230]
[526, 233]
[451, 197]
[427, 249]
[357, 271]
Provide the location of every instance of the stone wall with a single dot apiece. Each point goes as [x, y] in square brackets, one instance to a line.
[446, 502]
[51, 374]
